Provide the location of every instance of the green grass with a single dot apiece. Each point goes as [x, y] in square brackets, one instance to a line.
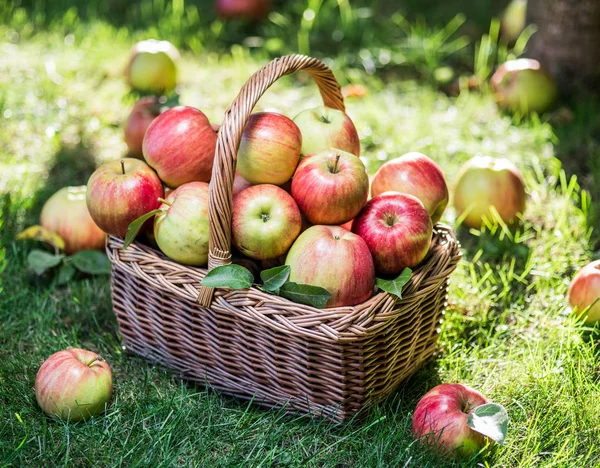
[507, 330]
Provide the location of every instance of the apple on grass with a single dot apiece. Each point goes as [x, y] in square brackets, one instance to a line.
[414, 174]
[330, 187]
[73, 384]
[143, 113]
[243, 9]
[265, 222]
[335, 259]
[66, 214]
[152, 67]
[180, 146]
[485, 183]
[119, 192]
[584, 292]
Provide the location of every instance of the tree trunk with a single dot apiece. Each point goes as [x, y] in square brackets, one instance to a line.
[567, 42]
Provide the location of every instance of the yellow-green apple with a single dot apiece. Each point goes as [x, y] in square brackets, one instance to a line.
[269, 149]
[73, 384]
[440, 419]
[397, 230]
[119, 192]
[152, 67]
[323, 128]
[335, 259]
[239, 184]
[180, 145]
[143, 113]
[523, 85]
[512, 21]
[584, 292]
[66, 214]
[415, 174]
[181, 230]
[265, 222]
[330, 186]
[243, 9]
[486, 182]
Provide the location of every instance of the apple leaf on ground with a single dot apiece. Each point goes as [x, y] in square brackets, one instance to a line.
[491, 420]
[40, 233]
[305, 294]
[40, 261]
[65, 273]
[92, 262]
[394, 286]
[228, 276]
[274, 278]
[136, 225]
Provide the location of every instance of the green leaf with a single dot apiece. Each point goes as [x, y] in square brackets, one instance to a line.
[228, 276]
[305, 294]
[40, 261]
[491, 420]
[394, 286]
[65, 273]
[92, 262]
[136, 225]
[274, 278]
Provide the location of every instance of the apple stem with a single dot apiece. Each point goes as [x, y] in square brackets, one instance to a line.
[123, 166]
[98, 358]
[166, 202]
[335, 164]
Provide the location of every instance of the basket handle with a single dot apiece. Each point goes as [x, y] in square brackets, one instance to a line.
[230, 135]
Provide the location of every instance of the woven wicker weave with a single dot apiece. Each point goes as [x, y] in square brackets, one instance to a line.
[254, 345]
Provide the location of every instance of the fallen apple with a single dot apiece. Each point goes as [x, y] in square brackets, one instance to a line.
[152, 67]
[243, 9]
[584, 292]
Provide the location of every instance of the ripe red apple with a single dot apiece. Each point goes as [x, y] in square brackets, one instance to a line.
[119, 192]
[74, 384]
[180, 145]
[485, 182]
[269, 149]
[265, 222]
[330, 187]
[152, 67]
[143, 113]
[335, 259]
[239, 184]
[524, 86]
[440, 419]
[415, 174]
[243, 9]
[66, 214]
[584, 291]
[323, 128]
[181, 231]
[397, 230]
[512, 22]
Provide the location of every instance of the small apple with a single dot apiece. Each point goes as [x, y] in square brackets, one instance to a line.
[119, 192]
[243, 9]
[239, 184]
[73, 384]
[143, 113]
[330, 186]
[323, 128]
[269, 149]
[335, 259]
[152, 67]
[397, 229]
[485, 182]
[512, 22]
[66, 214]
[584, 292]
[181, 230]
[522, 85]
[415, 174]
[180, 145]
[265, 222]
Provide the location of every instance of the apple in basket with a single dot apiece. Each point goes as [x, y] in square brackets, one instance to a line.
[152, 67]
[239, 184]
[119, 192]
[335, 259]
[66, 214]
[323, 128]
[242, 9]
[584, 292]
[415, 174]
[143, 113]
[180, 145]
[330, 187]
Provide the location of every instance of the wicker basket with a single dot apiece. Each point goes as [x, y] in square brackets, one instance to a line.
[254, 345]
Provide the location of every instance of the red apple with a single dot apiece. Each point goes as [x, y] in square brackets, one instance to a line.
[66, 214]
[152, 67]
[330, 187]
[143, 113]
[397, 229]
[323, 128]
[584, 292]
[415, 174]
[335, 259]
[243, 9]
[486, 182]
[119, 192]
[74, 384]
[239, 184]
[265, 222]
[269, 149]
[180, 145]
[440, 419]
